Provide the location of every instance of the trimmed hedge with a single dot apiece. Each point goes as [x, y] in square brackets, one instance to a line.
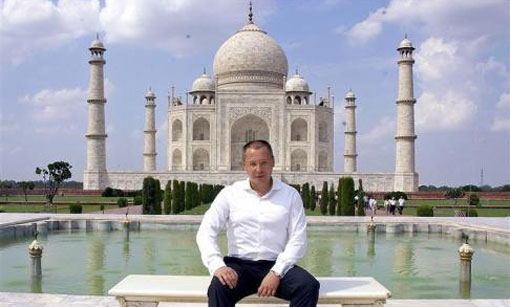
[425, 210]
[76, 208]
[122, 202]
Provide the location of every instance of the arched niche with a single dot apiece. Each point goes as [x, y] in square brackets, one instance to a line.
[323, 161]
[323, 132]
[176, 160]
[298, 161]
[201, 160]
[299, 130]
[176, 130]
[201, 129]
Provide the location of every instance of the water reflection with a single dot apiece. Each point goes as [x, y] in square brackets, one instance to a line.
[96, 261]
[125, 246]
[371, 244]
[36, 284]
[349, 252]
[150, 256]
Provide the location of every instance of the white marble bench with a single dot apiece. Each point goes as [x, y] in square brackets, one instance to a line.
[149, 290]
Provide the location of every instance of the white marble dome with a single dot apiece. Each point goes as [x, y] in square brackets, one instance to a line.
[297, 84]
[252, 56]
[203, 83]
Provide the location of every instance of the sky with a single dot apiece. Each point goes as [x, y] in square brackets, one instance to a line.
[461, 76]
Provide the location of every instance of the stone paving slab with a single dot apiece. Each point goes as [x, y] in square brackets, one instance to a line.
[11, 299]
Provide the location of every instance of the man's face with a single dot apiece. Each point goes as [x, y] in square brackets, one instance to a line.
[258, 163]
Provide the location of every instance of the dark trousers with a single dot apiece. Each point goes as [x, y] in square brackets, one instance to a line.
[297, 286]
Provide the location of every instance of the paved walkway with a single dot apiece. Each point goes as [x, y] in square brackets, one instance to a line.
[59, 300]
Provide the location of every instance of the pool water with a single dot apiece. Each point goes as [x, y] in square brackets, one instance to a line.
[411, 266]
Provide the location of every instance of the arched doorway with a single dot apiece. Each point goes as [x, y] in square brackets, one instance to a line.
[245, 129]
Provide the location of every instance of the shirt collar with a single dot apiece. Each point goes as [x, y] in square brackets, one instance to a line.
[277, 185]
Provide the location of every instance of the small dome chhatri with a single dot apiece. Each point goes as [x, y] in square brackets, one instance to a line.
[297, 84]
[97, 44]
[350, 95]
[203, 83]
[150, 94]
[405, 43]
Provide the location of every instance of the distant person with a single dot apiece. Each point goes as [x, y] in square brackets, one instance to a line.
[373, 205]
[393, 204]
[266, 234]
[387, 205]
[365, 201]
[401, 204]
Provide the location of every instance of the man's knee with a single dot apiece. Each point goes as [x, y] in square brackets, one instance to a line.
[216, 287]
[312, 285]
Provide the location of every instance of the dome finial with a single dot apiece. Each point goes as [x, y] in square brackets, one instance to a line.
[250, 15]
[204, 71]
[405, 35]
[297, 71]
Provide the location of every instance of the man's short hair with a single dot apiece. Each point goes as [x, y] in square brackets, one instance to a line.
[257, 144]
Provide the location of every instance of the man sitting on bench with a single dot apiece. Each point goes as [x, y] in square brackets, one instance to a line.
[266, 233]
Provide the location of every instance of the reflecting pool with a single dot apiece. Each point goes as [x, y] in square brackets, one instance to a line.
[416, 266]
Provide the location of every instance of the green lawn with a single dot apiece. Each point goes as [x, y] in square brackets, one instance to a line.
[54, 209]
[99, 199]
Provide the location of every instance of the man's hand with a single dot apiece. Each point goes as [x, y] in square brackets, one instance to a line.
[269, 284]
[227, 276]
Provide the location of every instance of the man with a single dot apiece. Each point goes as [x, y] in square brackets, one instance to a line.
[401, 204]
[266, 233]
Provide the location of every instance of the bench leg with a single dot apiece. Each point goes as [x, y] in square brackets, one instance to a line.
[125, 303]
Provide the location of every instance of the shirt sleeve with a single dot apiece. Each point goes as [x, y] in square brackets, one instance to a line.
[296, 244]
[213, 222]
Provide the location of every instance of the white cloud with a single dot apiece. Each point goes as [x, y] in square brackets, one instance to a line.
[451, 63]
[177, 26]
[29, 26]
[379, 134]
[462, 19]
[51, 105]
[449, 111]
[448, 79]
[502, 119]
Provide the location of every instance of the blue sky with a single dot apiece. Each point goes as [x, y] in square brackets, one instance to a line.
[462, 78]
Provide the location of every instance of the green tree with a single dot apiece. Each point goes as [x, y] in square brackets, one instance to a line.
[324, 198]
[347, 196]
[339, 209]
[361, 199]
[454, 194]
[175, 196]
[53, 176]
[167, 199]
[25, 186]
[313, 198]
[332, 200]
[151, 196]
[5, 187]
[474, 200]
[305, 194]
[182, 196]
[189, 196]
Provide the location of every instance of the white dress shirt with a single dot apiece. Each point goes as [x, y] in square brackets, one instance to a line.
[271, 227]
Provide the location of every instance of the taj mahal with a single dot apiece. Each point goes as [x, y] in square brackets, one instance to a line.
[250, 96]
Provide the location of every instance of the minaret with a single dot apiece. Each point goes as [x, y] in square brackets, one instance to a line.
[149, 153]
[350, 154]
[96, 136]
[405, 177]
